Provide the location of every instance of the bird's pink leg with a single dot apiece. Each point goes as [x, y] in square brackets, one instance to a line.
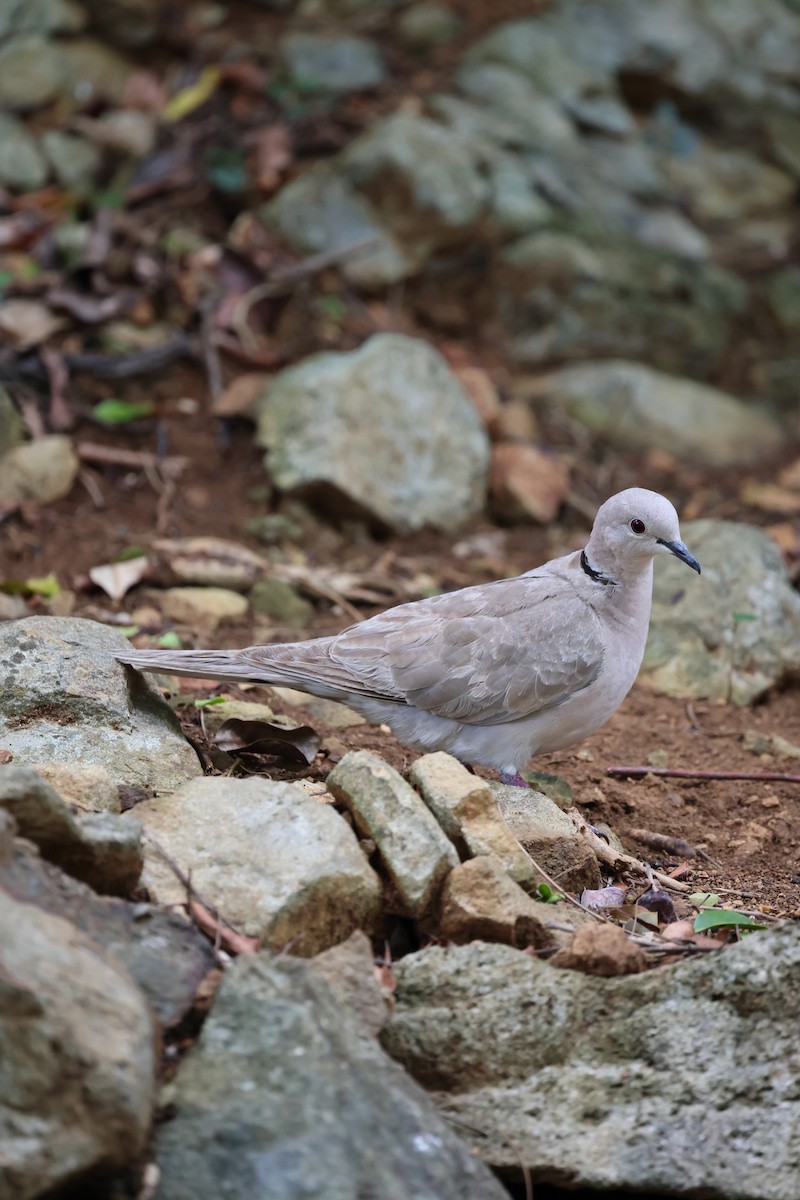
[515, 780]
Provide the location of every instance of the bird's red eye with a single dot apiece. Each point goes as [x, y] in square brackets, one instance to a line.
[638, 526]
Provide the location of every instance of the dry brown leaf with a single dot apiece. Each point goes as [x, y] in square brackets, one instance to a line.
[239, 397]
[261, 737]
[28, 322]
[116, 579]
[273, 156]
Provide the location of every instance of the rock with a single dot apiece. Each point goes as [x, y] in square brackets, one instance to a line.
[467, 811]
[637, 408]
[64, 699]
[300, 878]
[125, 130]
[331, 62]
[78, 1056]
[537, 120]
[12, 608]
[555, 787]
[736, 632]
[216, 715]
[580, 295]
[427, 24]
[129, 23]
[412, 847]
[548, 836]
[277, 599]
[74, 160]
[205, 562]
[101, 849]
[537, 53]
[335, 1117]
[40, 16]
[208, 607]
[531, 120]
[783, 294]
[41, 471]
[95, 71]
[330, 712]
[479, 902]
[784, 135]
[666, 230]
[601, 950]
[32, 69]
[166, 955]
[423, 182]
[22, 164]
[728, 185]
[562, 1072]
[514, 204]
[320, 211]
[349, 970]
[525, 484]
[386, 430]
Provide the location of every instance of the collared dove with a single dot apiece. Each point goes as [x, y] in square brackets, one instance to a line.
[494, 673]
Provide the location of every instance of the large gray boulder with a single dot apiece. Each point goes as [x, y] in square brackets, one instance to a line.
[78, 1056]
[731, 634]
[659, 1082]
[581, 294]
[385, 430]
[284, 1097]
[637, 408]
[64, 698]
[276, 863]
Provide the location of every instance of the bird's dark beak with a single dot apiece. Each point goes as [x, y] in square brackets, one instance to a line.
[680, 551]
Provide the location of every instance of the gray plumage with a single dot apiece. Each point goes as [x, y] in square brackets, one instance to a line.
[494, 673]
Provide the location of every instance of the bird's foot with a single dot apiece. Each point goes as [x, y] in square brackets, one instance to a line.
[515, 780]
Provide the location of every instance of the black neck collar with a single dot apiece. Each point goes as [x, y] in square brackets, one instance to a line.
[595, 576]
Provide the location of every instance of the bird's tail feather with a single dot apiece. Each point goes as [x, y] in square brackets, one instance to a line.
[207, 664]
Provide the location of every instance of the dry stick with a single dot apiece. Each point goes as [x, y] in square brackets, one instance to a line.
[281, 280]
[680, 773]
[613, 858]
[138, 460]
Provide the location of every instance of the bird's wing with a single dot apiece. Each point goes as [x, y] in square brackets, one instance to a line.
[484, 656]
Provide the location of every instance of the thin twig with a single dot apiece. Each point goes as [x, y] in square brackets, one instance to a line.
[283, 279]
[138, 460]
[680, 773]
[192, 894]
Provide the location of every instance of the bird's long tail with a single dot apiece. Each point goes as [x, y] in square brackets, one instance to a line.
[303, 665]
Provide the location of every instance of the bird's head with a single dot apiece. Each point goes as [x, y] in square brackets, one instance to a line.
[631, 528]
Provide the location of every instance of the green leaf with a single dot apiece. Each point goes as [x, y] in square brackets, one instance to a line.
[209, 701]
[45, 585]
[545, 893]
[745, 616]
[333, 307]
[129, 553]
[120, 412]
[169, 641]
[129, 630]
[719, 918]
